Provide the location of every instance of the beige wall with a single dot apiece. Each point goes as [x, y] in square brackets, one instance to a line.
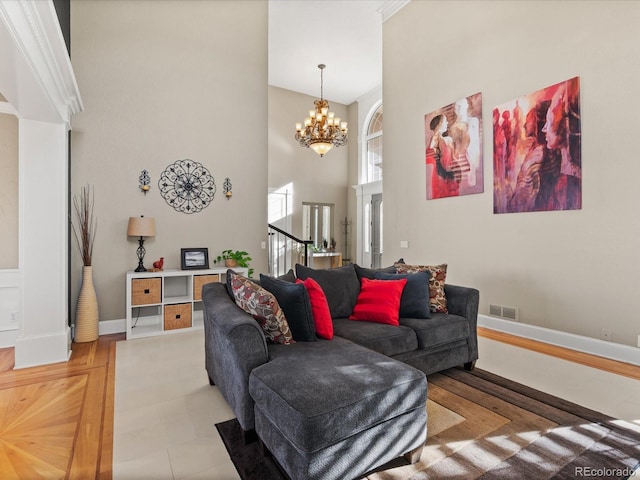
[576, 271]
[314, 179]
[160, 82]
[8, 191]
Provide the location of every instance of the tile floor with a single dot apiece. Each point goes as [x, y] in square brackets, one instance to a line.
[165, 410]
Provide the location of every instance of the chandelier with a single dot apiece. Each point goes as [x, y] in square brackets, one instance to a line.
[321, 130]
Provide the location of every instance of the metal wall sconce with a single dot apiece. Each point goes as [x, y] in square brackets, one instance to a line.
[226, 188]
[144, 180]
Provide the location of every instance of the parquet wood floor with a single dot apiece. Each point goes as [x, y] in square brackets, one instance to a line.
[56, 421]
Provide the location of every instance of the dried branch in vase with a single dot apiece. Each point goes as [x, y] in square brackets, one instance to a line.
[85, 231]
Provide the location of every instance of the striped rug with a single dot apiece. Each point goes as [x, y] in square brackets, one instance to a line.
[482, 426]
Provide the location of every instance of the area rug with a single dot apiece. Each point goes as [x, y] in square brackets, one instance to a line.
[482, 426]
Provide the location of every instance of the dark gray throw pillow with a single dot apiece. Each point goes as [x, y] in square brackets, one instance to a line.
[289, 276]
[340, 285]
[230, 273]
[293, 298]
[370, 273]
[415, 296]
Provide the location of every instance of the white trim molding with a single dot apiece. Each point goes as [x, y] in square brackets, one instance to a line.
[10, 281]
[390, 7]
[109, 327]
[593, 346]
[39, 80]
[42, 349]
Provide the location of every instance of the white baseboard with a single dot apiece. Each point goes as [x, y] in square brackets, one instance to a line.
[109, 327]
[8, 338]
[593, 346]
[43, 349]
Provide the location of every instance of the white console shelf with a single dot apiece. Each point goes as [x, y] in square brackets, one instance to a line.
[168, 301]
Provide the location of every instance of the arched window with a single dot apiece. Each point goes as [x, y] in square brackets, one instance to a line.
[372, 171]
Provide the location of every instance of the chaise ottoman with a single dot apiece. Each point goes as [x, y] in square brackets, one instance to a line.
[341, 412]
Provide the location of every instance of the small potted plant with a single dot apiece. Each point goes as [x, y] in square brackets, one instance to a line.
[235, 258]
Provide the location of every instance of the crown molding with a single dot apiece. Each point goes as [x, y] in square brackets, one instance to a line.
[390, 8]
[36, 76]
[6, 107]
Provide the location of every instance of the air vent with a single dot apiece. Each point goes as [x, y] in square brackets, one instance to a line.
[508, 313]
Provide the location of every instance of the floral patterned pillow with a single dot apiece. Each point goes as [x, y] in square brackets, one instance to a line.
[263, 306]
[437, 299]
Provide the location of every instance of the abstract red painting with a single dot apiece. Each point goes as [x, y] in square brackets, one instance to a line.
[453, 136]
[537, 163]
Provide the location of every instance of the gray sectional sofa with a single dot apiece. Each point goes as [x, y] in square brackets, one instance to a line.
[336, 409]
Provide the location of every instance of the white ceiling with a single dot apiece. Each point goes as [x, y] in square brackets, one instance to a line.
[345, 35]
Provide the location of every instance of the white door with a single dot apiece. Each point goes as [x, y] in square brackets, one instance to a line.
[376, 230]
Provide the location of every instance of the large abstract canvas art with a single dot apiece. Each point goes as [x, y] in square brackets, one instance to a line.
[453, 136]
[537, 163]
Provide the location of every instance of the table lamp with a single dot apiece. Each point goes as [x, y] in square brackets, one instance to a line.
[141, 227]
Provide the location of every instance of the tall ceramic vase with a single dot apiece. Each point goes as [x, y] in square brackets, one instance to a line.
[87, 309]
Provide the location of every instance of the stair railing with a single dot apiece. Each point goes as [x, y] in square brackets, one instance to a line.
[284, 251]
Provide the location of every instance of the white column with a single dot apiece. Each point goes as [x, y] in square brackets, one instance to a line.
[37, 79]
[44, 335]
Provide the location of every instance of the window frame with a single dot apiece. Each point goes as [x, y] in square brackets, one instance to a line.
[366, 137]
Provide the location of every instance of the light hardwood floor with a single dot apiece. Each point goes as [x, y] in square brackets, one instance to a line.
[56, 421]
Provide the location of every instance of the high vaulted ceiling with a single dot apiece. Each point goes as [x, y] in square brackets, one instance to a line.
[345, 35]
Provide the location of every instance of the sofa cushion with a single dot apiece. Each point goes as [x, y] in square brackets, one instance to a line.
[319, 307]
[370, 273]
[340, 286]
[290, 276]
[262, 305]
[387, 339]
[339, 390]
[415, 301]
[438, 276]
[379, 301]
[439, 330]
[295, 303]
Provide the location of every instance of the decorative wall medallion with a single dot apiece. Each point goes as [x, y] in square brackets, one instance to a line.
[187, 186]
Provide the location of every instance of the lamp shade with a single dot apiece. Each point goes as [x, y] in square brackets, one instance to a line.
[141, 227]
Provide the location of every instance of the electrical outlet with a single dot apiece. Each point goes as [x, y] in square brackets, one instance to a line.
[404, 243]
[13, 317]
[263, 245]
[605, 334]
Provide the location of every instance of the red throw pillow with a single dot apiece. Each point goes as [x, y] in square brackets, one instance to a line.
[319, 308]
[379, 301]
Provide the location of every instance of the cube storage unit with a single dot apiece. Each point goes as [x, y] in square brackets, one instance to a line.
[168, 301]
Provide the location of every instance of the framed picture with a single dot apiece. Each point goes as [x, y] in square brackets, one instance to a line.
[537, 145]
[194, 258]
[453, 145]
